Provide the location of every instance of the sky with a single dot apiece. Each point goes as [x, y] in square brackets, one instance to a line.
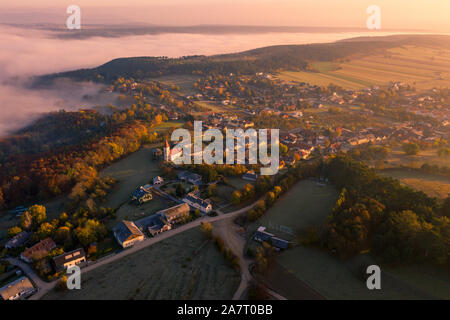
[432, 15]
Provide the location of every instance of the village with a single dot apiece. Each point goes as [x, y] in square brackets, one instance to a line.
[298, 109]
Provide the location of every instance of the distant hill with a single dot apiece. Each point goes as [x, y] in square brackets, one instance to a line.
[267, 59]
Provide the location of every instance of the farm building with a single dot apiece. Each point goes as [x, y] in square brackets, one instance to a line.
[279, 243]
[198, 203]
[17, 290]
[18, 240]
[127, 234]
[158, 181]
[73, 258]
[190, 177]
[154, 224]
[176, 213]
[261, 235]
[158, 224]
[38, 251]
[250, 176]
[142, 194]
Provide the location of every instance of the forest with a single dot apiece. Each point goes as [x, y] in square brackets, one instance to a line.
[270, 59]
[381, 215]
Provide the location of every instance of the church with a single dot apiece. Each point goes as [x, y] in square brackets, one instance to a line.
[172, 154]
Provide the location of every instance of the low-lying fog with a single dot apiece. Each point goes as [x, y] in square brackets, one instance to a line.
[29, 51]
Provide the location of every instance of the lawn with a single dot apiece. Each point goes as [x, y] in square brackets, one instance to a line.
[131, 172]
[432, 185]
[305, 204]
[185, 82]
[185, 266]
[238, 183]
[335, 279]
[397, 157]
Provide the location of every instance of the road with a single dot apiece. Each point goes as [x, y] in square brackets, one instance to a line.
[42, 286]
[234, 239]
[45, 287]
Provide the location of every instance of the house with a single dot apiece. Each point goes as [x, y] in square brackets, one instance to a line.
[127, 234]
[261, 235]
[190, 177]
[17, 290]
[154, 224]
[198, 203]
[177, 213]
[158, 224]
[38, 251]
[142, 194]
[73, 258]
[157, 152]
[18, 240]
[250, 176]
[279, 243]
[158, 181]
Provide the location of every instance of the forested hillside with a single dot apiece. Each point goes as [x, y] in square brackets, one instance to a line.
[268, 59]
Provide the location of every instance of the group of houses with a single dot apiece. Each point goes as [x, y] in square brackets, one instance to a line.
[22, 287]
[128, 233]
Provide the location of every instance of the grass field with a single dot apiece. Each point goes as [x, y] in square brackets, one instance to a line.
[432, 185]
[186, 266]
[131, 172]
[397, 157]
[422, 67]
[185, 82]
[308, 204]
[336, 279]
[165, 126]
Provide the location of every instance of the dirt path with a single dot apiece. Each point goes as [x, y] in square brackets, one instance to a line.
[228, 231]
[235, 240]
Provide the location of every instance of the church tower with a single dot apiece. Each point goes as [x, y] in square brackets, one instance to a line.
[167, 152]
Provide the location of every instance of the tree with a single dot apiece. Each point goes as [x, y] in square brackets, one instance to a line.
[38, 214]
[283, 149]
[26, 220]
[2, 200]
[14, 231]
[207, 228]
[63, 236]
[411, 148]
[445, 209]
[180, 190]
[92, 231]
[45, 230]
[212, 190]
[236, 197]
[256, 291]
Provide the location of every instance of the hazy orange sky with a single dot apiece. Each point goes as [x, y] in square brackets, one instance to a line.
[430, 15]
